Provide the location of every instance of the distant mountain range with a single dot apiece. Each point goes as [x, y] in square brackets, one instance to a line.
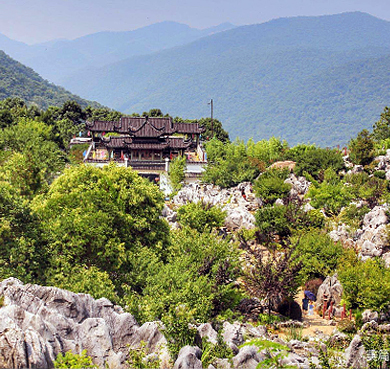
[17, 80]
[304, 79]
[56, 59]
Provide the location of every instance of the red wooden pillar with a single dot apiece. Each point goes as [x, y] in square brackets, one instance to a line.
[350, 314]
[324, 308]
[344, 313]
[331, 309]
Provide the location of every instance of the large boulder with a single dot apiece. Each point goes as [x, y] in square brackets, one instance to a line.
[238, 218]
[299, 186]
[37, 323]
[372, 239]
[238, 202]
[247, 358]
[333, 290]
[355, 355]
[232, 334]
[206, 331]
[189, 358]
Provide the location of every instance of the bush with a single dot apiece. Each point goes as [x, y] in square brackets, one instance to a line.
[346, 326]
[353, 215]
[74, 361]
[270, 185]
[362, 148]
[214, 351]
[331, 195]
[199, 272]
[201, 217]
[379, 345]
[381, 174]
[177, 170]
[314, 160]
[366, 284]
[138, 358]
[319, 255]
[179, 330]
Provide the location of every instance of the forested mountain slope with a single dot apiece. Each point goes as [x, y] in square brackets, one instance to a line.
[56, 59]
[318, 79]
[17, 80]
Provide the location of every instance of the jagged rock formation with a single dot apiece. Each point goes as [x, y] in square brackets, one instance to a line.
[238, 202]
[37, 323]
[333, 289]
[299, 186]
[384, 163]
[371, 239]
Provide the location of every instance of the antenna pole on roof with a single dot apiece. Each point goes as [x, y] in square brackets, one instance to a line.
[212, 121]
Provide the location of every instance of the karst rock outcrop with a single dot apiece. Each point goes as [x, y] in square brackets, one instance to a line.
[371, 240]
[239, 202]
[37, 323]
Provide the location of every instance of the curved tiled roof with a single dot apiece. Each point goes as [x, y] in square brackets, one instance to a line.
[145, 126]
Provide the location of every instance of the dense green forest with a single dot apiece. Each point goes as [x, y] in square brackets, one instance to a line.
[100, 230]
[17, 80]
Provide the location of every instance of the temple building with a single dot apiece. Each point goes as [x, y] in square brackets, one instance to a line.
[144, 143]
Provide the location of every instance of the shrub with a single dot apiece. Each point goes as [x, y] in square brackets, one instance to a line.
[177, 169]
[214, 351]
[199, 272]
[201, 217]
[353, 215]
[179, 330]
[362, 148]
[314, 160]
[319, 255]
[270, 185]
[346, 326]
[381, 174]
[138, 358]
[331, 195]
[366, 283]
[74, 361]
[377, 347]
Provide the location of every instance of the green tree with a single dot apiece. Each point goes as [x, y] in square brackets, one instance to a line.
[213, 129]
[198, 273]
[319, 255]
[362, 148]
[315, 160]
[381, 129]
[100, 218]
[177, 172]
[73, 361]
[266, 151]
[22, 252]
[228, 164]
[35, 159]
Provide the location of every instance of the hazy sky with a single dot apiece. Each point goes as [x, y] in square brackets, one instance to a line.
[34, 21]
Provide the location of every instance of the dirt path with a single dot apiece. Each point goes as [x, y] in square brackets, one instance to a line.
[315, 321]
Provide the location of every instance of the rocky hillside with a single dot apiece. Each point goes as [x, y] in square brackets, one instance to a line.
[37, 323]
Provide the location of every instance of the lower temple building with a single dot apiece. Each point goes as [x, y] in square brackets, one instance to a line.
[146, 144]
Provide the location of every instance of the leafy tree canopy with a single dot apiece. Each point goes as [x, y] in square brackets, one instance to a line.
[99, 218]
